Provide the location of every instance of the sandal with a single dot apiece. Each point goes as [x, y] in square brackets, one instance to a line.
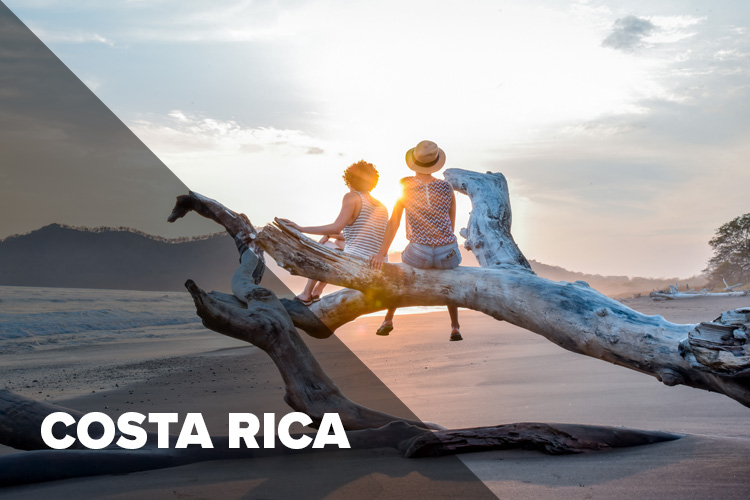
[315, 298]
[384, 330]
[307, 303]
[456, 336]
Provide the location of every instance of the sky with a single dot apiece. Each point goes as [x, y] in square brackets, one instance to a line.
[622, 127]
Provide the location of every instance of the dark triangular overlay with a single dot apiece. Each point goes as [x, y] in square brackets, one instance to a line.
[67, 159]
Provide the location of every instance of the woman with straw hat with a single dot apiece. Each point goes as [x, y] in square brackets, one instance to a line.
[430, 207]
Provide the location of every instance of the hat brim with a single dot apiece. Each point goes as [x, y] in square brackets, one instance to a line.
[425, 170]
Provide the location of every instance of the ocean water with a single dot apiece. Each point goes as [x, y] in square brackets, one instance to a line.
[36, 318]
[31, 317]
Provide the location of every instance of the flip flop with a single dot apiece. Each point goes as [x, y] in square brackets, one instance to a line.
[304, 302]
[456, 337]
[316, 298]
[384, 330]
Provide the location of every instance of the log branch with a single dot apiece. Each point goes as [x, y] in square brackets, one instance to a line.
[264, 322]
[552, 439]
[721, 346]
[488, 231]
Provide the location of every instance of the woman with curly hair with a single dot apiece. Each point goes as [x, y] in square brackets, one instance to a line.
[360, 224]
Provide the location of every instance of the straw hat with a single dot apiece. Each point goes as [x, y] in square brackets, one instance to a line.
[426, 158]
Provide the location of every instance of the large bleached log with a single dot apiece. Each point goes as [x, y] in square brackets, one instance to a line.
[572, 315]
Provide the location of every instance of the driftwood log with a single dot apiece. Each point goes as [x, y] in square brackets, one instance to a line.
[673, 292]
[669, 295]
[712, 356]
[572, 315]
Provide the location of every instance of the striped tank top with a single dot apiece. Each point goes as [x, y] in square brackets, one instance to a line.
[428, 220]
[364, 236]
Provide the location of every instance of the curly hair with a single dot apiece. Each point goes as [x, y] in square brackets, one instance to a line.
[361, 176]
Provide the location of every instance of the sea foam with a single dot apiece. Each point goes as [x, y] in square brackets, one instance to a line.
[35, 316]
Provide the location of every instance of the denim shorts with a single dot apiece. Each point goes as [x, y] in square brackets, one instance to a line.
[429, 257]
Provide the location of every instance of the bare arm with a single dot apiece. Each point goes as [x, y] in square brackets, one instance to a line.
[376, 261]
[350, 206]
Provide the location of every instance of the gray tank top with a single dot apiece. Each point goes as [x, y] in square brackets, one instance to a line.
[364, 236]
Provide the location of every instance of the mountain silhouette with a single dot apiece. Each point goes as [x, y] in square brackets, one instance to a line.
[118, 258]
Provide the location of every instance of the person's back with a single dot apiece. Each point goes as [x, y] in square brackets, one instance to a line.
[430, 207]
[364, 236]
[427, 207]
[361, 223]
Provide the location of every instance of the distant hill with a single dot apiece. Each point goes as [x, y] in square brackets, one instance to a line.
[117, 258]
[123, 258]
[616, 286]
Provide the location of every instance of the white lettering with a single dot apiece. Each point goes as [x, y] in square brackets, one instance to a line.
[128, 429]
[247, 433]
[83, 430]
[194, 421]
[242, 427]
[269, 430]
[162, 426]
[284, 424]
[331, 421]
[47, 424]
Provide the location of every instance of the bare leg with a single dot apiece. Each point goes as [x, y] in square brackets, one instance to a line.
[453, 312]
[389, 316]
[455, 332]
[318, 290]
[306, 294]
[387, 326]
[313, 288]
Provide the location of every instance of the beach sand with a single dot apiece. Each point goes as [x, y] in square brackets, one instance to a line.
[498, 374]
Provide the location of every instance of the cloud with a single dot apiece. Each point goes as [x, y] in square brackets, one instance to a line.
[638, 193]
[629, 33]
[185, 133]
[62, 37]
[602, 128]
[163, 20]
[261, 171]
